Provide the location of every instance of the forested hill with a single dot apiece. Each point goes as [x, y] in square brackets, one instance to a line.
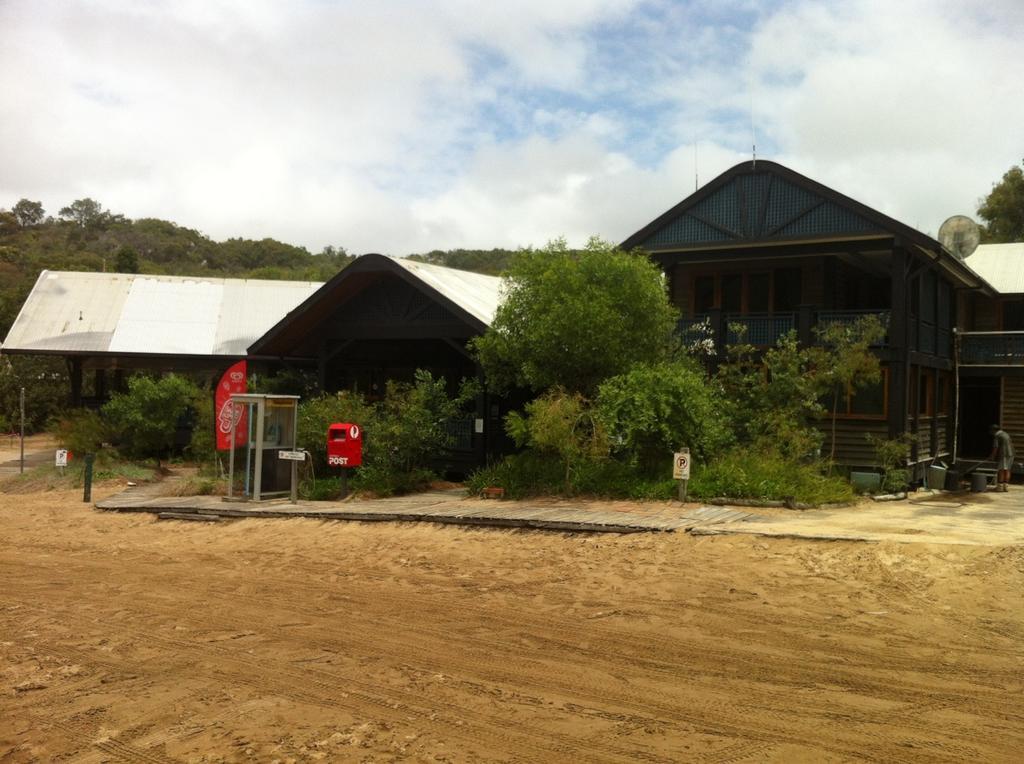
[86, 237]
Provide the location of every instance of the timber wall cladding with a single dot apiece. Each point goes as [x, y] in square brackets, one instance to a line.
[1012, 413]
[852, 446]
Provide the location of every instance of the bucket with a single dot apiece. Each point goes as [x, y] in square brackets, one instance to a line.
[979, 482]
[936, 478]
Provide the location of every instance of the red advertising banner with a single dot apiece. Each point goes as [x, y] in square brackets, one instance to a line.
[233, 381]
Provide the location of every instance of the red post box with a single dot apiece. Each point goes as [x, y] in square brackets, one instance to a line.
[344, 445]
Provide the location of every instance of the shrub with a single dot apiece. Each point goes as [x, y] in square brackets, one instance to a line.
[411, 424]
[775, 399]
[317, 414]
[561, 425]
[81, 431]
[401, 434]
[203, 444]
[654, 409]
[745, 474]
[533, 473]
[144, 420]
[891, 456]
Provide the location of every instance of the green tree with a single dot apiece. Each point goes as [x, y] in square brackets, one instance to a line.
[774, 398]
[1003, 208]
[126, 260]
[653, 409]
[89, 214]
[28, 213]
[851, 363]
[145, 418]
[575, 318]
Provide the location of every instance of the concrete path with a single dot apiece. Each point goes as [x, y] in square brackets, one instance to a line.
[988, 519]
[437, 507]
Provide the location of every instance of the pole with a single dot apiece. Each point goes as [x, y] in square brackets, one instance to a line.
[682, 490]
[22, 406]
[344, 482]
[89, 458]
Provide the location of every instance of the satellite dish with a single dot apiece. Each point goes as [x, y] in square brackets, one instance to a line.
[960, 235]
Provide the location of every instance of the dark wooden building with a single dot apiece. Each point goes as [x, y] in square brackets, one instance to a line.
[772, 250]
[383, 318]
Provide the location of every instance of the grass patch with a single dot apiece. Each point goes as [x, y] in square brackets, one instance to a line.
[746, 475]
[49, 478]
[368, 480]
[737, 475]
[533, 474]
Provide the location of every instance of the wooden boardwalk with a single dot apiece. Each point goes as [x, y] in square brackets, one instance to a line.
[437, 507]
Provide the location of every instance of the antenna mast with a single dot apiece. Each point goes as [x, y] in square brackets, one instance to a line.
[753, 133]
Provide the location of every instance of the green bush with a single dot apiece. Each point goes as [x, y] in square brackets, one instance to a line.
[536, 474]
[654, 409]
[401, 434]
[81, 431]
[563, 427]
[144, 420]
[892, 456]
[745, 474]
[317, 414]
[202, 447]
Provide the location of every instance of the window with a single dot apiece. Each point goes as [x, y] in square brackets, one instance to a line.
[867, 402]
[787, 290]
[703, 294]
[1013, 316]
[759, 292]
[732, 293]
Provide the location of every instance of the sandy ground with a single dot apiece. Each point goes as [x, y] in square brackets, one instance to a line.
[124, 638]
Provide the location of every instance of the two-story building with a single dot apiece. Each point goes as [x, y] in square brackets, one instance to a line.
[774, 251]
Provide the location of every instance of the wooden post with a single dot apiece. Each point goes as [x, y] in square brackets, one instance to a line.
[898, 343]
[804, 322]
[76, 382]
[21, 404]
[87, 478]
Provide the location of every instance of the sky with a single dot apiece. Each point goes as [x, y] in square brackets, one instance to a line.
[402, 127]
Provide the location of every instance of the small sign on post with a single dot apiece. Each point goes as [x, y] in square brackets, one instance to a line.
[61, 459]
[681, 470]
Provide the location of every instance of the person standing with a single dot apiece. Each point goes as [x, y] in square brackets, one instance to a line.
[1002, 452]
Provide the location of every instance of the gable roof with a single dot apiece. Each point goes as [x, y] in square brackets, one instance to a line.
[765, 202]
[472, 297]
[1001, 265]
[125, 314]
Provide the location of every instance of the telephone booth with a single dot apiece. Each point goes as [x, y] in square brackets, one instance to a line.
[271, 456]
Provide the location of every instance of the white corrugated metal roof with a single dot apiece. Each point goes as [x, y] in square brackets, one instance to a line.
[1001, 265]
[477, 294]
[163, 315]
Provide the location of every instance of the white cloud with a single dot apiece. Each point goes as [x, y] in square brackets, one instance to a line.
[406, 126]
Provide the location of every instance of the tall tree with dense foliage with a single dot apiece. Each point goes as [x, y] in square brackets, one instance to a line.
[574, 318]
[1003, 208]
[28, 213]
[89, 214]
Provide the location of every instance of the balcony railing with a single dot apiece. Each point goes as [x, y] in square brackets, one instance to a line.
[991, 348]
[759, 329]
[716, 329]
